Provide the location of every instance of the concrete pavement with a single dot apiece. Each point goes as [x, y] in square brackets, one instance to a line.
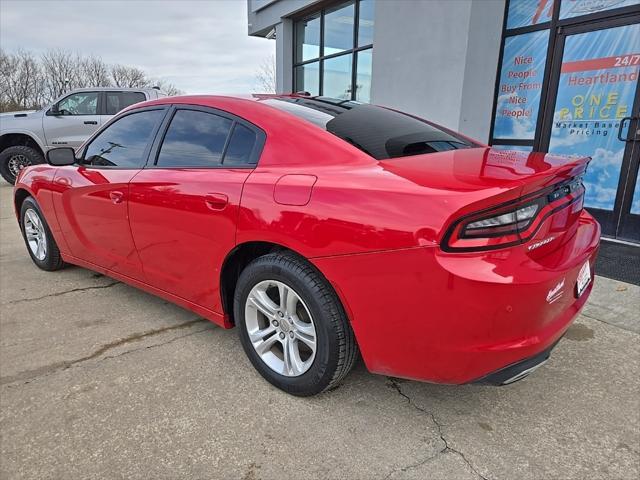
[100, 380]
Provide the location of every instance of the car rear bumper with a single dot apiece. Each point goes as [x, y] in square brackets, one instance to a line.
[451, 318]
[517, 371]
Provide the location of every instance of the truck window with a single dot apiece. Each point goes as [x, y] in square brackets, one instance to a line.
[117, 101]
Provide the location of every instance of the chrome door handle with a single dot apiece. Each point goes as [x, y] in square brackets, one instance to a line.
[216, 201]
[116, 197]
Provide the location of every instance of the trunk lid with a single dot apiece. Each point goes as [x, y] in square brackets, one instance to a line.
[475, 180]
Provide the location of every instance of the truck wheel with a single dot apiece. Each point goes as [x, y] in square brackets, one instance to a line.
[14, 159]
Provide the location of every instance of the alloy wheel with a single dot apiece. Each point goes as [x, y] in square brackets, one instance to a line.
[280, 328]
[16, 163]
[35, 233]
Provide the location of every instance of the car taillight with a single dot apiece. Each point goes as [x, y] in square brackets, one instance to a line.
[512, 223]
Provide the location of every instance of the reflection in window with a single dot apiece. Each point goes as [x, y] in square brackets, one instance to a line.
[338, 29]
[365, 23]
[124, 142]
[575, 8]
[515, 148]
[308, 39]
[337, 77]
[240, 148]
[308, 78]
[363, 76]
[194, 139]
[83, 103]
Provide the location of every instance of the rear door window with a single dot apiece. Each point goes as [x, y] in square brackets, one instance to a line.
[194, 139]
[117, 101]
[203, 139]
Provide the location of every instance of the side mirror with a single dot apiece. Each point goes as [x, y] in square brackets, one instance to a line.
[59, 157]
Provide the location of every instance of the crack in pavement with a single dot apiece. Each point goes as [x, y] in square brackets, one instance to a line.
[54, 367]
[162, 344]
[58, 294]
[447, 448]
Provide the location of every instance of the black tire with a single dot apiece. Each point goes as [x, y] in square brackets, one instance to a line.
[336, 349]
[52, 259]
[26, 154]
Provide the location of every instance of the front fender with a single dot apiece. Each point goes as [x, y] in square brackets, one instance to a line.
[38, 137]
[37, 181]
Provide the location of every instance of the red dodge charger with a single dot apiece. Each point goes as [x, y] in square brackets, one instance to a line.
[322, 227]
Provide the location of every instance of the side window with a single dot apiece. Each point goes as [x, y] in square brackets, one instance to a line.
[194, 139]
[124, 142]
[241, 145]
[81, 103]
[117, 101]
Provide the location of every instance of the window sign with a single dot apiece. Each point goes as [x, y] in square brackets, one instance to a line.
[598, 80]
[635, 203]
[575, 8]
[520, 86]
[524, 13]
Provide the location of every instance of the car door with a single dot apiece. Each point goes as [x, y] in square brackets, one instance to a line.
[91, 197]
[115, 101]
[72, 120]
[183, 207]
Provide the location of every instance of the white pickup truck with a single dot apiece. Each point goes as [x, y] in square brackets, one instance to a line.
[69, 121]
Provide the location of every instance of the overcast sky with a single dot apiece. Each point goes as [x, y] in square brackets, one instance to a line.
[200, 46]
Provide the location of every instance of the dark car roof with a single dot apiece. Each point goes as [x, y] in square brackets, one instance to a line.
[380, 132]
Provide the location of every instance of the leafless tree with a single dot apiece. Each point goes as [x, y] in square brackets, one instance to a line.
[28, 81]
[266, 75]
[128, 77]
[95, 73]
[166, 87]
[62, 72]
[20, 80]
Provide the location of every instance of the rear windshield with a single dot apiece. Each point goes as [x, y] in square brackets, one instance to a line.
[377, 131]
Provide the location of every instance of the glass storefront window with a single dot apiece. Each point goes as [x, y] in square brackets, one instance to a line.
[520, 87]
[307, 78]
[524, 13]
[363, 75]
[336, 36]
[365, 22]
[337, 77]
[338, 29]
[596, 90]
[308, 39]
[575, 8]
[515, 148]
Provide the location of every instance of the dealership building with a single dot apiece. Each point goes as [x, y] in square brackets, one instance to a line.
[558, 76]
